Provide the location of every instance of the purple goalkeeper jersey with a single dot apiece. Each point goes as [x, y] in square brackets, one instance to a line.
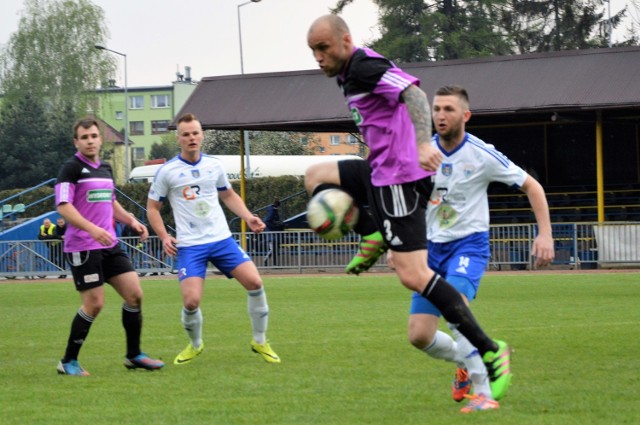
[89, 188]
[372, 86]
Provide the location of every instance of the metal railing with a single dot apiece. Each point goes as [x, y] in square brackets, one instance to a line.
[578, 245]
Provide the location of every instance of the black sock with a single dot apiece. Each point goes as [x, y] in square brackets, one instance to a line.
[450, 303]
[365, 225]
[132, 322]
[79, 330]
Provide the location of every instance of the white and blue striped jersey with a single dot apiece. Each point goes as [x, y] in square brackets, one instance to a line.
[459, 205]
[192, 189]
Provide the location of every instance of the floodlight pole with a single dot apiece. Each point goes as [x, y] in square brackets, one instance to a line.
[127, 156]
[246, 172]
[244, 135]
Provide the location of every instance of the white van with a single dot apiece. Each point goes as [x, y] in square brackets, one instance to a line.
[261, 166]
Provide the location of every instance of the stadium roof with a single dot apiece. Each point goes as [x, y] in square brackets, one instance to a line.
[503, 90]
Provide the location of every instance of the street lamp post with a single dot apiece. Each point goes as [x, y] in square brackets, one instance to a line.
[609, 26]
[240, 32]
[244, 136]
[245, 133]
[127, 156]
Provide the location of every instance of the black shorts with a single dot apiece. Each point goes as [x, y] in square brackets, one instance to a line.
[91, 269]
[398, 210]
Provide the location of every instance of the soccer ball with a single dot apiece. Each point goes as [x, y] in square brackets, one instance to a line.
[332, 213]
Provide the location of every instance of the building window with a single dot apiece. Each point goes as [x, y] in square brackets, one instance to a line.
[352, 140]
[304, 141]
[136, 128]
[334, 139]
[158, 127]
[138, 154]
[118, 115]
[160, 101]
[136, 102]
[321, 149]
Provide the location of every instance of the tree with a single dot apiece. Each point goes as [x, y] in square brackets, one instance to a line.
[280, 143]
[49, 70]
[554, 25]
[52, 54]
[167, 148]
[418, 30]
[33, 143]
[226, 142]
[221, 142]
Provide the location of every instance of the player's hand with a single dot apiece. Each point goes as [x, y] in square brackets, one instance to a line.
[141, 229]
[256, 224]
[429, 157]
[102, 236]
[169, 245]
[542, 250]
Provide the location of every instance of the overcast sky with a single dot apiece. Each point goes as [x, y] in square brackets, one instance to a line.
[160, 36]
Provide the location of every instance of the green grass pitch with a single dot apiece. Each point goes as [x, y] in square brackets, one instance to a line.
[345, 355]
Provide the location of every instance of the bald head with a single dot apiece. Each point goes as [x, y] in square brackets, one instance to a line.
[333, 23]
[331, 43]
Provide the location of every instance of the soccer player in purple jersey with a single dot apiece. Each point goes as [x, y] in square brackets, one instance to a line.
[394, 118]
[85, 197]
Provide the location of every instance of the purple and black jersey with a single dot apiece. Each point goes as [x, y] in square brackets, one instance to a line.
[89, 188]
[372, 86]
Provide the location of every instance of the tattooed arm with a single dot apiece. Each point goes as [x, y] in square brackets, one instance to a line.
[419, 111]
[420, 114]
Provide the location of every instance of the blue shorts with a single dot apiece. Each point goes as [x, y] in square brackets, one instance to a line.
[462, 263]
[226, 255]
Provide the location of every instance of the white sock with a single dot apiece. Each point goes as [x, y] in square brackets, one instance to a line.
[192, 323]
[259, 314]
[471, 359]
[443, 347]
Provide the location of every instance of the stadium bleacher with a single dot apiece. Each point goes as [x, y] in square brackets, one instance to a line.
[566, 204]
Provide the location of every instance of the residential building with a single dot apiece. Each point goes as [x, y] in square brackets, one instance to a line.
[150, 111]
[339, 144]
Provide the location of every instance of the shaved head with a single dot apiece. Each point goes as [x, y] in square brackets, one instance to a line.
[335, 24]
[330, 41]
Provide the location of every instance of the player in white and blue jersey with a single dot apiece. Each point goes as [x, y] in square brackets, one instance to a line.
[194, 184]
[393, 115]
[458, 235]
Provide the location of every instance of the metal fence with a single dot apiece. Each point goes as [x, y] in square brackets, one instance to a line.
[578, 245]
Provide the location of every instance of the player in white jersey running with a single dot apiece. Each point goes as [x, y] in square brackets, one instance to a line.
[458, 235]
[195, 184]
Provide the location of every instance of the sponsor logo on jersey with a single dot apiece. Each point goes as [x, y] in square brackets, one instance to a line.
[355, 114]
[99, 195]
[439, 195]
[190, 192]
